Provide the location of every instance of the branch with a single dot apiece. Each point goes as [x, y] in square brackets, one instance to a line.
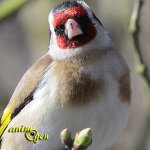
[134, 28]
[8, 7]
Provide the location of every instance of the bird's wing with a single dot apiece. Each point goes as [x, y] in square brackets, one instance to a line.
[24, 91]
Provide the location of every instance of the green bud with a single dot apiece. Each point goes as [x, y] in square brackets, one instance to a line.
[140, 69]
[65, 135]
[83, 138]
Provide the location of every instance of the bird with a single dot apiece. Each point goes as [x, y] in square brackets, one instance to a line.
[82, 81]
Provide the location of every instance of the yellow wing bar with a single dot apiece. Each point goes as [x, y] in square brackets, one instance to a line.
[6, 118]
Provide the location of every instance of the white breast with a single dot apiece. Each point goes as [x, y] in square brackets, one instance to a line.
[106, 116]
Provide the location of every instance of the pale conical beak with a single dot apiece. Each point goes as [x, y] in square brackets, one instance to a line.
[72, 29]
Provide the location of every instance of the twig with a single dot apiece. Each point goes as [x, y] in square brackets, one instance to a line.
[134, 28]
[8, 7]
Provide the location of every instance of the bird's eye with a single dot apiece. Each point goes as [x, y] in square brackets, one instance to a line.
[59, 30]
[84, 20]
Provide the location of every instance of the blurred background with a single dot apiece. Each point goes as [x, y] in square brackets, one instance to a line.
[24, 37]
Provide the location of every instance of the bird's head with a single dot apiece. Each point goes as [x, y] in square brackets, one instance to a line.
[75, 30]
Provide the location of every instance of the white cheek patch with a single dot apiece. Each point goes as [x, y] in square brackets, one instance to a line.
[50, 19]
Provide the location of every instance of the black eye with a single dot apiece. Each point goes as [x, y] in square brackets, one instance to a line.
[84, 20]
[59, 30]
[97, 19]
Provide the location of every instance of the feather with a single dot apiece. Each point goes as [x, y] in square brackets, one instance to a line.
[24, 91]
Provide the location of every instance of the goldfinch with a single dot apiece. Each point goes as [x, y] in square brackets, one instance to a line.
[81, 82]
